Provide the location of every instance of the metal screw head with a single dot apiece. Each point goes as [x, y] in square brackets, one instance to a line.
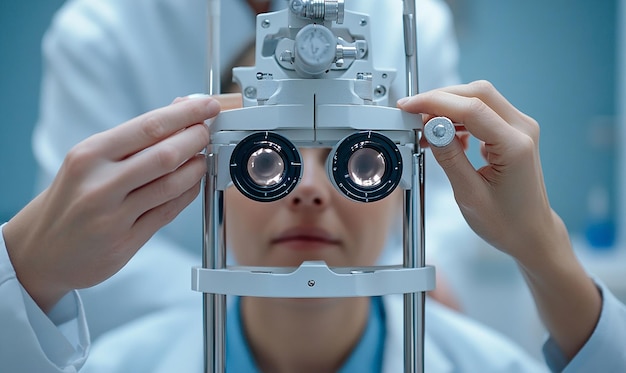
[363, 22]
[380, 91]
[286, 56]
[439, 130]
[250, 92]
[266, 23]
[311, 283]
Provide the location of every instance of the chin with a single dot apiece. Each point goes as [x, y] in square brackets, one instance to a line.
[296, 258]
[306, 304]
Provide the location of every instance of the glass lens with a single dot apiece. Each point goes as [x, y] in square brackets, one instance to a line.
[266, 167]
[366, 167]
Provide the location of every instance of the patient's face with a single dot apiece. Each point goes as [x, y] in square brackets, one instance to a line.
[313, 222]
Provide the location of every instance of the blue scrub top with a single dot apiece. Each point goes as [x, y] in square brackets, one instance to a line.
[367, 357]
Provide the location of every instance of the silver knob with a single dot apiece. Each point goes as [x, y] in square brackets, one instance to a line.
[439, 131]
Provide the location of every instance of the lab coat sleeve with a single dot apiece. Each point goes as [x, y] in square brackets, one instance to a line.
[605, 350]
[107, 61]
[80, 95]
[30, 340]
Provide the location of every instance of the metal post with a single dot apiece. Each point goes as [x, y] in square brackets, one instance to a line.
[213, 47]
[414, 242]
[213, 257]
[213, 251]
[414, 258]
[410, 46]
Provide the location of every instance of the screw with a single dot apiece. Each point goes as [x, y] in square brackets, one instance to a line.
[266, 23]
[363, 22]
[439, 130]
[286, 56]
[250, 92]
[380, 91]
[311, 283]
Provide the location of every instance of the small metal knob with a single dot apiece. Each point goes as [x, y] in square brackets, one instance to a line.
[439, 131]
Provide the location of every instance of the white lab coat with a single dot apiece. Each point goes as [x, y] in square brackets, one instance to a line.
[107, 61]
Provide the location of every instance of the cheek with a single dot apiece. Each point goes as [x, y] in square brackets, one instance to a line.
[244, 223]
[370, 241]
[370, 225]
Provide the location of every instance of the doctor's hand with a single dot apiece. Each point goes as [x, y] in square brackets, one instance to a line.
[112, 193]
[505, 202]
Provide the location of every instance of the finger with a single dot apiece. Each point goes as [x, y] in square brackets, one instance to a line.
[479, 119]
[148, 129]
[230, 101]
[166, 188]
[164, 157]
[156, 218]
[483, 151]
[487, 93]
[460, 171]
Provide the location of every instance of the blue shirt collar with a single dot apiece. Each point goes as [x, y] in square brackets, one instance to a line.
[367, 357]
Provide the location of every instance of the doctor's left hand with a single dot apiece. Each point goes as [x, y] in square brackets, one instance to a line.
[112, 193]
[506, 203]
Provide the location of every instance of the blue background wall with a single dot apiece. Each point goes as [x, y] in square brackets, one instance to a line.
[22, 24]
[555, 60]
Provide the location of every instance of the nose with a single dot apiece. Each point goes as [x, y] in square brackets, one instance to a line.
[314, 189]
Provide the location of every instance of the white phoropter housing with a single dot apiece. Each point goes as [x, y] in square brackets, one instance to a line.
[314, 85]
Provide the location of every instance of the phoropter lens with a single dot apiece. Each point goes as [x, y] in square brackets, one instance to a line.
[266, 167]
[366, 167]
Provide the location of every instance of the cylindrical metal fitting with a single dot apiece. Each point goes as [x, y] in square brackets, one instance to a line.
[439, 131]
[328, 10]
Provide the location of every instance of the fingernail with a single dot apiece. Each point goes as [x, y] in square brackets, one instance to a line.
[197, 95]
[214, 106]
[402, 101]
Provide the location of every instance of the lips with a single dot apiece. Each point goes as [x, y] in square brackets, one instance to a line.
[306, 237]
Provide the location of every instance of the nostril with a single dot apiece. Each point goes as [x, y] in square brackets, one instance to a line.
[315, 201]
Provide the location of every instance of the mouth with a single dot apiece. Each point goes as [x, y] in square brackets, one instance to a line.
[303, 238]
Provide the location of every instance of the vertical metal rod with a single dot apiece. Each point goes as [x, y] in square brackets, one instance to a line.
[421, 261]
[414, 242]
[213, 257]
[213, 251]
[213, 47]
[410, 345]
[414, 258]
[409, 20]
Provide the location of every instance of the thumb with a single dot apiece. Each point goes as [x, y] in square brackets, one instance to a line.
[463, 177]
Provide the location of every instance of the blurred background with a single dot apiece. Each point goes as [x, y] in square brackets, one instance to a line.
[563, 62]
[22, 25]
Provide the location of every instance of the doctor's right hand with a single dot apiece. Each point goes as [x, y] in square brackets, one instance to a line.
[112, 193]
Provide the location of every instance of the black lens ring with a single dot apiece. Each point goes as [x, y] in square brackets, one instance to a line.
[339, 172]
[239, 170]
